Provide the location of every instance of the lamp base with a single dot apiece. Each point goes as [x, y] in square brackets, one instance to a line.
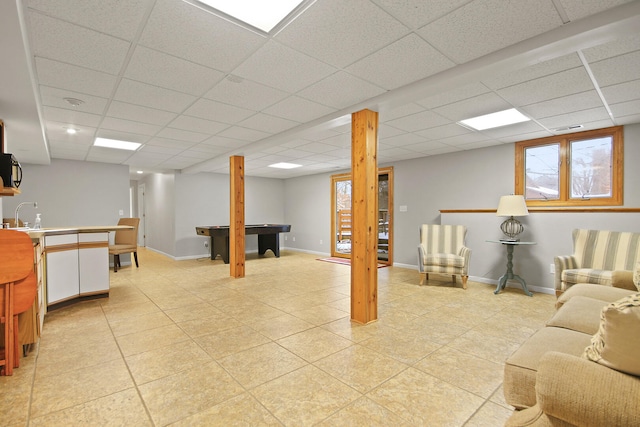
[511, 228]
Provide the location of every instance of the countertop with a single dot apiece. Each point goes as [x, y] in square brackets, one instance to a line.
[37, 234]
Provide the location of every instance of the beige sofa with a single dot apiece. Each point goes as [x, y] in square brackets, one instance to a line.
[583, 368]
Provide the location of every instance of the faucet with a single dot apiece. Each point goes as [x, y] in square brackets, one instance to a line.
[35, 205]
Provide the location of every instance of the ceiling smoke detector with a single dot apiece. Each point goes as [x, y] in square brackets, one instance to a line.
[75, 102]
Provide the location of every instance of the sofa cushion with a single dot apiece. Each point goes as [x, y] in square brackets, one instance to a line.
[616, 344]
[604, 293]
[587, 275]
[636, 276]
[521, 367]
[580, 314]
[450, 260]
[623, 279]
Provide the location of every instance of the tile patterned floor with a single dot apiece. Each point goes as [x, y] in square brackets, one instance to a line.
[181, 343]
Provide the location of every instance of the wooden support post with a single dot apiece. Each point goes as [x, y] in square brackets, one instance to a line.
[364, 216]
[236, 217]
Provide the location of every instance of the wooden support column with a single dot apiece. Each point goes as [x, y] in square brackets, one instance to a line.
[236, 217]
[364, 216]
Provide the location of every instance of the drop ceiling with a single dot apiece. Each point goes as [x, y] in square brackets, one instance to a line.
[194, 88]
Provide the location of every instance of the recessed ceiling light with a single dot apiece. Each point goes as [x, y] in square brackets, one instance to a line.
[139, 172]
[284, 165]
[494, 120]
[261, 14]
[71, 131]
[115, 143]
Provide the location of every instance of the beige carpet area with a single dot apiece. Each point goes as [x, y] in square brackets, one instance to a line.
[182, 343]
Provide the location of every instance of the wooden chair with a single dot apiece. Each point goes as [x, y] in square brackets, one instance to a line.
[17, 291]
[126, 241]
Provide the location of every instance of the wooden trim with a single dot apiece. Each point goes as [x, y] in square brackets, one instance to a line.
[92, 245]
[61, 248]
[553, 210]
[564, 142]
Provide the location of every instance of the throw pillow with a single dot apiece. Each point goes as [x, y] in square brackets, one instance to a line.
[616, 344]
[623, 279]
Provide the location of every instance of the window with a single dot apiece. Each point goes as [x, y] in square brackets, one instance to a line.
[578, 169]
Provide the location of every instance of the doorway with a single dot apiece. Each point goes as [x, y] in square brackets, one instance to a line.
[341, 215]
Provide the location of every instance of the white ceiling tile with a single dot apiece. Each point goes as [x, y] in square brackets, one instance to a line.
[71, 77]
[244, 134]
[385, 131]
[622, 92]
[611, 49]
[340, 90]
[90, 49]
[525, 136]
[343, 140]
[416, 13]
[198, 125]
[472, 107]
[167, 71]
[424, 146]
[123, 110]
[403, 139]
[484, 26]
[122, 125]
[419, 121]
[217, 111]
[114, 17]
[54, 97]
[628, 120]
[57, 131]
[402, 62]
[449, 97]
[68, 154]
[340, 32]
[245, 93]
[533, 72]
[206, 148]
[626, 108]
[549, 87]
[298, 109]
[576, 118]
[576, 102]
[170, 143]
[267, 123]
[465, 139]
[108, 155]
[152, 96]
[283, 68]
[145, 159]
[317, 148]
[152, 148]
[446, 131]
[71, 117]
[444, 150]
[577, 9]
[515, 129]
[191, 33]
[229, 143]
[182, 135]
[616, 70]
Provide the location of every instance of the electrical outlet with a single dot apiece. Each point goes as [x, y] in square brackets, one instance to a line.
[552, 268]
[206, 244]
[320, 241]
[121, 212]
[294, 239]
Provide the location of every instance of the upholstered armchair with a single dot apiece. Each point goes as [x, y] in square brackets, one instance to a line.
[600, 257]
[442, 251]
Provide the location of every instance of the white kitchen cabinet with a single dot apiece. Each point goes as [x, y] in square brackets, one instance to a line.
[61, 260]
[93, 263]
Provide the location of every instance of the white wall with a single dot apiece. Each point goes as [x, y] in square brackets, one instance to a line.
[72, 193]
[178, 203]
[464, 180]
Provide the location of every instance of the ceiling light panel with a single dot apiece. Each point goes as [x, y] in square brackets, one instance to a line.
[260, 14]
[115, 143]
[494, 120]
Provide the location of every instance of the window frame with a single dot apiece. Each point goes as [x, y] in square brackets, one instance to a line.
[564, 141]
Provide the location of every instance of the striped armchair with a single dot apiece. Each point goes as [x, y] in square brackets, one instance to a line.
[608, 258]
[442, 251]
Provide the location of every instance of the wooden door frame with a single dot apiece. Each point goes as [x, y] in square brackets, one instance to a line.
[347, 176]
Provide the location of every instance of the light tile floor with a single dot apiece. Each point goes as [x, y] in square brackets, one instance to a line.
[182, 343]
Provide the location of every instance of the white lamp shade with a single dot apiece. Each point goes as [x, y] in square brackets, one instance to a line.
[513, 205]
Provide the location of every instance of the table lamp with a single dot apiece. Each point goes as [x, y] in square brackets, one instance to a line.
[513, 205]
